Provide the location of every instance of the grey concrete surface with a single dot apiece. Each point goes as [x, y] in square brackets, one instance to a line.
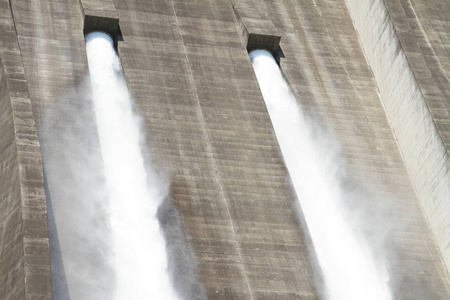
[417, 106]
[326, 67]
[207, 123]
[24, 245]
[423, 32]
[187, 67]
[258, 31]
[100, 16]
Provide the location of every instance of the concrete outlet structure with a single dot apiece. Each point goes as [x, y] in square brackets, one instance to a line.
[374, 72]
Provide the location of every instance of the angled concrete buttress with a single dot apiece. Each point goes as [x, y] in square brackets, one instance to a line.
[24, 244]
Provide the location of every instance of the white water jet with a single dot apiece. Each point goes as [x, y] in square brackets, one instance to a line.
[139, 254]
[349, 270]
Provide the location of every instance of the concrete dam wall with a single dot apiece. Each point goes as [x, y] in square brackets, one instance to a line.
[370, 78]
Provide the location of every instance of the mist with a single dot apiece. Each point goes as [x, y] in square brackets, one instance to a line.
[348, 266]
[79, 227]
[104, 195]
[139, 256]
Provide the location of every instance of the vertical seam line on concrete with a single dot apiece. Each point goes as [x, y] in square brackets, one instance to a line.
[410, 68]
[390, 123]
[420, 205]
[17, 148]
[342, 61]
[431, 46]
[209, 147]
[434, 122]
[41, 167]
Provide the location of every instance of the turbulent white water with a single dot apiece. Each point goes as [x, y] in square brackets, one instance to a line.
[349, 271]
[139, 255]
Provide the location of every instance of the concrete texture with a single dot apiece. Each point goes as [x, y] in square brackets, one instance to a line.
[258, 31]
[418, 105]
[24, 245]
[208, 124]
[429, 63]
[336, 85]
[100, 16]
[186, 65]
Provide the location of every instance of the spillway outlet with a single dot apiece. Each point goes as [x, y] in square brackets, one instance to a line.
[108, 25]
[258, 32]
[270, 43]
[267, 42]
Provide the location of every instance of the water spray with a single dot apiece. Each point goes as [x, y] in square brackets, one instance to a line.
[139, 254]
[349, 270]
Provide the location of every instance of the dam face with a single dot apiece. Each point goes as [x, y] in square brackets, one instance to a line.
[370, 76]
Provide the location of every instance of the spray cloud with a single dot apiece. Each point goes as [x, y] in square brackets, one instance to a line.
[349, 270]
[105, 237]
[139, 255]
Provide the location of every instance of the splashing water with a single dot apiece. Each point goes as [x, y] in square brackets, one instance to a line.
[139, 255]
[349, 270]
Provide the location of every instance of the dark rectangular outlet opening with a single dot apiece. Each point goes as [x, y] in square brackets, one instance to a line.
[263, 41]
[270, 43]
[257, 29]
[103, 24]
